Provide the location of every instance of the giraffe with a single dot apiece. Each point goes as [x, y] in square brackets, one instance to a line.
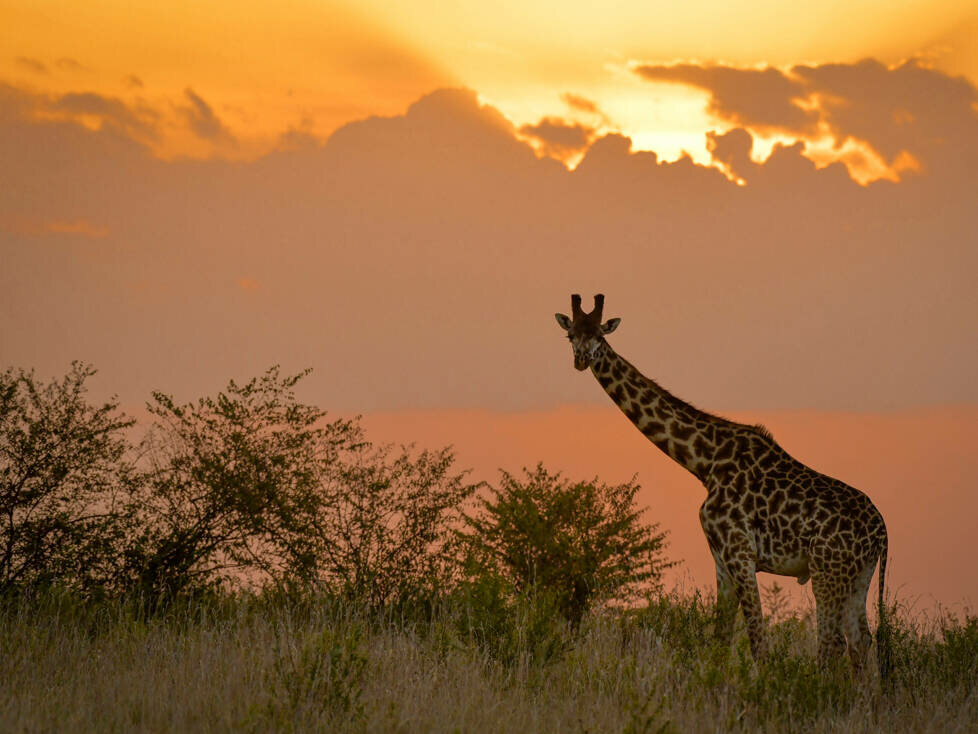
[764, 510]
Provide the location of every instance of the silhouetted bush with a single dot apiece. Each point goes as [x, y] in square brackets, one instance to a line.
[253, 487]
[64, 482]
[383, 520]
[232, 490]
[575, 543]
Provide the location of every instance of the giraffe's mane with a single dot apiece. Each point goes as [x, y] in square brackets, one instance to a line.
[758, 428]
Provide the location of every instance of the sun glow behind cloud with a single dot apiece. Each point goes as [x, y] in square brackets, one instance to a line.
[231, 79]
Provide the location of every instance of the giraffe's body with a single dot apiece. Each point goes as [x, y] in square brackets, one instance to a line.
[764, 510]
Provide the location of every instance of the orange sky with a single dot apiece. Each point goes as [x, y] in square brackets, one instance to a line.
[402, 196]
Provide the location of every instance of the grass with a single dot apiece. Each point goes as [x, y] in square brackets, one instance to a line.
[262, 664]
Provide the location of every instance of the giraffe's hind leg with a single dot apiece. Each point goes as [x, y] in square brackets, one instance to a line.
[830, 605]
[856, 626]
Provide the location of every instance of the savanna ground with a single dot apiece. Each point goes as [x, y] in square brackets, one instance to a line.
[270, 663]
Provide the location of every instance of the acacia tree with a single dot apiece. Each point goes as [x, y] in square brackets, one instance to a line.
[247, 488]
[64, 480]
[231, 487]
[253, 487]
[385, 518]
[577, 543]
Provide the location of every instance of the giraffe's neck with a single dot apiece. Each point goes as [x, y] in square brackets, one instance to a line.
[688, 435]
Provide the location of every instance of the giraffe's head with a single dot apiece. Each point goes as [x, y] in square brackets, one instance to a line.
[585, 330]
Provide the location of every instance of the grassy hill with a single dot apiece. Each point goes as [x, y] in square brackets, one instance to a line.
[261, 663]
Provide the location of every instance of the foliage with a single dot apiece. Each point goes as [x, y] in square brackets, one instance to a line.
[313, 673]
[949, 653]
[231, 486]
[684, 625]
[254, 487]
[573, 542]
[516, 630]
[64, 479]
[383, 519]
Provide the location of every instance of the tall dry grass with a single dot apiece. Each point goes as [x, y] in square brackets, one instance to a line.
[260, 664]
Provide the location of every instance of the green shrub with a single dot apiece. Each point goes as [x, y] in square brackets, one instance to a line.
[572, 543]
[231, 489]
[515, 630]
[314, 673]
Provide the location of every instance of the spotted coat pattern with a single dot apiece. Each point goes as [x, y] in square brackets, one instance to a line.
[764, 510]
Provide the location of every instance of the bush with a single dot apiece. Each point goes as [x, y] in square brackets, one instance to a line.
[576, 543]
[231, 489]
[252, 487]
[383, 520]
[64, 482]
[517, 630]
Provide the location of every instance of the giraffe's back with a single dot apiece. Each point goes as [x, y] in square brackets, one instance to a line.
[791, 516]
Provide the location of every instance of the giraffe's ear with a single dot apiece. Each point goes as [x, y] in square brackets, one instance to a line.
[563, 320]
[610, 325]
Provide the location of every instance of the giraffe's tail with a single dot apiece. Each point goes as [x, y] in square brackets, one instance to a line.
[883, 650]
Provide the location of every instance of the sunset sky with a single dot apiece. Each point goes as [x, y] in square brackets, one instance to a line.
[780, 204]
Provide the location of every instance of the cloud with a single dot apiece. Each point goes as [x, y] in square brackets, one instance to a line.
[416, 261]
[906, 114]
[191, 122]
[139, 123]
[733, 150]
[79, 227]
[30, 227]
[909, 107]
[37, 66]
[557, 137]
[134, 82]
[34, 65]
[579, 103]
[764, 99]
[67, 63]
[202, 119]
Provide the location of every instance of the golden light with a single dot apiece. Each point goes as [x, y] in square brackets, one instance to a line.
[311, 65]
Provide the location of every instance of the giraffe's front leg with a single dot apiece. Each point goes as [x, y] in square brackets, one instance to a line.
[726, 606]
[743, 574]
[750, 602]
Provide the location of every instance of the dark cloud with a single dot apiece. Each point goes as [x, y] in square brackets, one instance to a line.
[139, 123]
[202, 119]
[34, 65]
[581, 104]
[733, 150]
[757, 98]
[134, 82]
[558, 137]
[907, 109]
[66, 63]
[416, 261]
